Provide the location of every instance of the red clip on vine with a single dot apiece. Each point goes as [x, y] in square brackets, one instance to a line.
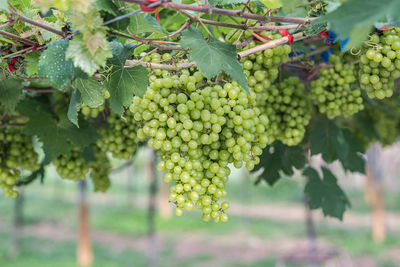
[262, 36]
[151, 9]
[285, 33]
[11, 64]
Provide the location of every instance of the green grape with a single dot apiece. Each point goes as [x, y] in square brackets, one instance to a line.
[100, 171]
[16, 154]
[119, 136]
[287, 108]
[198, 129]
[379, 65]
[72, 166]
[332, 92]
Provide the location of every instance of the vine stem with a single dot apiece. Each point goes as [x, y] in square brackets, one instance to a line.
[271, 44]
[16, 37]
[8, 24]
[145, 41]
[36, 23]
[232, 13]
[242, 27]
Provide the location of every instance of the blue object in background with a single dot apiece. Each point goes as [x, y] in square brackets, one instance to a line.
[332, 37]
[343, 44]
[326, 54]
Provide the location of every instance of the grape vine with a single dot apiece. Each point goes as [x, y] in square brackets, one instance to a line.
[209, 86]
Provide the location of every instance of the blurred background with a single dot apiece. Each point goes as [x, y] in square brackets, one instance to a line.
[63, 223]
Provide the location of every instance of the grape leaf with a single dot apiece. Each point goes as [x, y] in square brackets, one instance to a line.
[354, 19]
[143, 23]
[85, 60]
[55, 67]
[32, 63]
[10, 92]
[336, 144]
[289, 6]
[327, 138]
[74, 106]
[91, 91]
[213, 56]
[325, 193]
[353, 160]
[124, 83]
[366, 126]
[3, 5]
[120, 52]
[42, 124]
[272, 3]
[54, 134]
[279, 158]
[82, 136]
[107, 6]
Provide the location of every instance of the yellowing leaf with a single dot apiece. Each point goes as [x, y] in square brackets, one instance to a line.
[94, 42]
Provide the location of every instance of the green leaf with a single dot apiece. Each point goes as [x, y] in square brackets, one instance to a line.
[336, 144]
[124, 83]
[272, 3]
[144, 23]
[32, 63]
[353, 160]
[366, 126]
[325, 193]
[289, 6]
[82, 137]
[54, 134]
[107, 6]
[84, 59]
[74, 106]
[120, 52]
[10, 92]
[354, 19]
[278, 158]
[3, 5]
[328, 139]
[55, 67]
[42, 124]
[91, 91]
[213, 56]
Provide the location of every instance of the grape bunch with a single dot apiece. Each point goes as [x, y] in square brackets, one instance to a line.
[16, 154]
[262, 68]
[198, 128]
[380, 64]
[100, 171]
[287, 108]
[72, 166]
[332, 92]
[119, 136]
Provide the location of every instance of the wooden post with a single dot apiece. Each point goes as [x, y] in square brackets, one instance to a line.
[84, 249]
[373, 193]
